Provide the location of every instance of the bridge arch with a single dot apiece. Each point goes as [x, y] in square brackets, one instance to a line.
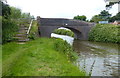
[43, 31]
[48, 25]
[77, 34]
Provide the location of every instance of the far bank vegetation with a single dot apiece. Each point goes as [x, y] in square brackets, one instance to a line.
[64, 32]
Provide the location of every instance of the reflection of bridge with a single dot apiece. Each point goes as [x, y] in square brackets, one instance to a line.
[48, 25]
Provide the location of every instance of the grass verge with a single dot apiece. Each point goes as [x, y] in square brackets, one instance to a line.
[40, 57]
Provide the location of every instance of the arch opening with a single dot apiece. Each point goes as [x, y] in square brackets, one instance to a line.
[45, 31]
[63, 31]
[77, 34]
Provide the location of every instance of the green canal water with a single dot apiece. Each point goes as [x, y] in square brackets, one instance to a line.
[97, 58]
[101, 59]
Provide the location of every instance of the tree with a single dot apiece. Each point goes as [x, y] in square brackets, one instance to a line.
[15, 13]
[105, 15]
[5, 10]
[110, 3]
[83, 17]
[116, 17]
[26, 15]
[96, 18]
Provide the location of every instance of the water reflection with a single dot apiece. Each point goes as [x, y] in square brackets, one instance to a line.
[105, 56]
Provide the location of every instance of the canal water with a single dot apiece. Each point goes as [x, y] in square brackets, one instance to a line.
[97, 58]
[101, 59]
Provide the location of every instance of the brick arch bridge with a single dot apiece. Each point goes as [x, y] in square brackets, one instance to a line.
[48, 25]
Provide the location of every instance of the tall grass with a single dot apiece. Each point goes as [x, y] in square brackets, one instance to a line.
[105, 33]
[64, 32]
[63, 46]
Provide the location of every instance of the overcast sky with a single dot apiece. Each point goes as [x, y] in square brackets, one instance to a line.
[62, 8]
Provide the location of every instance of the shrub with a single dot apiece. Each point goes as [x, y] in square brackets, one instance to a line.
[105, 33]
[9, 29]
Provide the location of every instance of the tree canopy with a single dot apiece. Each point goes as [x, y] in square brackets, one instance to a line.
[116, 17]
[103, 16]
[5, 10]
[15, 13]
[96, 18]
[111, 3]
[12, 12]
[83, 17]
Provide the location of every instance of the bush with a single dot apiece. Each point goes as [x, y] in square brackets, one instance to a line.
[105, 33]
[64, 32]
[9, 29]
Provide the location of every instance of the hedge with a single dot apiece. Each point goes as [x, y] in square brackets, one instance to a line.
[105, 33]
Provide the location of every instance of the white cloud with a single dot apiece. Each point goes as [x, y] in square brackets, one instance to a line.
[61, 8]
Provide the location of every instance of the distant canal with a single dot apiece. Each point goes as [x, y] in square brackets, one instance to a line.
[99, 58]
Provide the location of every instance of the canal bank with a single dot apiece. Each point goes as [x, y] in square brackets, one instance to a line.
[40, 57]
[96, 58]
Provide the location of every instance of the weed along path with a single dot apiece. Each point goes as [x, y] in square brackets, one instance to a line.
[40, 57]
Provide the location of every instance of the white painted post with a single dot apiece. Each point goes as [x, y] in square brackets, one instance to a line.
[29, 27]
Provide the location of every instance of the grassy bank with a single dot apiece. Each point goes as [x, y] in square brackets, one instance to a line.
[105, 33]
[40, 57]
[64, 32]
